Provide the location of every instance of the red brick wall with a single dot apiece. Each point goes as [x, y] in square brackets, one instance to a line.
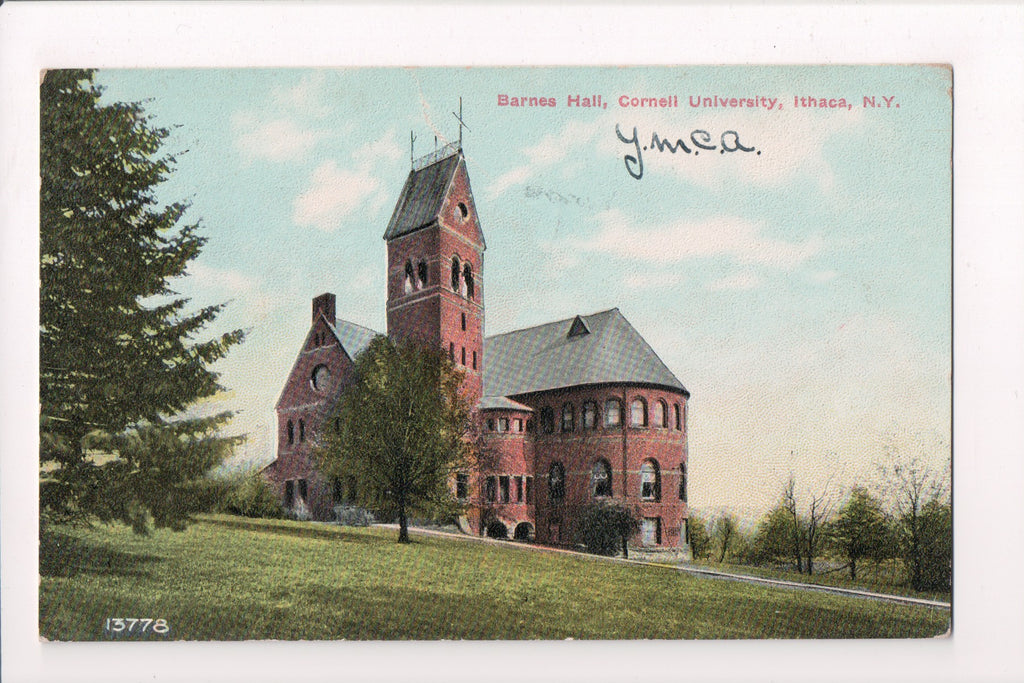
[300, 401]
[510, 454]
[434, 313]
[625, 448]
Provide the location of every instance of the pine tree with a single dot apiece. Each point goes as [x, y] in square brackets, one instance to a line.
[119, 364]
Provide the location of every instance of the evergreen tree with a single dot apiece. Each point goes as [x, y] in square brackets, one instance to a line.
[119, 360]
[401, 431]
[859, 530]
[700, 543]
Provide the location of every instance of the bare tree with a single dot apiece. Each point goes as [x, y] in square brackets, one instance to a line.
[724, 533]
[818, 512]
[796, 525]
[909, 484]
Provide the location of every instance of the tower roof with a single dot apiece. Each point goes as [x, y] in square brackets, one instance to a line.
[560, 354]
[423, 195]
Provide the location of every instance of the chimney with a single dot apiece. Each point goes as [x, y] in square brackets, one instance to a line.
[324, 304]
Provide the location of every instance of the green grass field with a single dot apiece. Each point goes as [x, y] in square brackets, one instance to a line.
[229, 578]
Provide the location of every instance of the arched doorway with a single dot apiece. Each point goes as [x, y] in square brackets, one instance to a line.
[523, 532]
[496, 529]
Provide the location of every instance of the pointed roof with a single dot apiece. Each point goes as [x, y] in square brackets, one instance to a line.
[353, 338]
[549, 357]
[421, 199]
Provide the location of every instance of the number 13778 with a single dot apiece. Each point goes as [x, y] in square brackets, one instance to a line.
[134, 627]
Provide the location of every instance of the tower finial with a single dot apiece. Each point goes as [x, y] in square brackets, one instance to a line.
[462, 124]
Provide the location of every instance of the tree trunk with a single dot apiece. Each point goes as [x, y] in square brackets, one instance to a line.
[625, 549]
[403, 524]
[853, 568]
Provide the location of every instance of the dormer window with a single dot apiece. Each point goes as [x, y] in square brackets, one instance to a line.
[578, 328]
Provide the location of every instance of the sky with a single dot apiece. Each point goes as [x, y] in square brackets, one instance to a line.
[801, 290]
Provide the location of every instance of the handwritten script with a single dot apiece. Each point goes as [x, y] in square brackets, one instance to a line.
[699, 140]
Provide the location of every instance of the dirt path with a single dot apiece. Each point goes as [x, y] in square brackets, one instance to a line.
[706, 573]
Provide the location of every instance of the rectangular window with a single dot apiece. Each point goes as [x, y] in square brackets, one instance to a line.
[529, 490]
[519, 489]
[289, 493]
[503, 485]
[518, 424]
[451, 351]
[462, 486]
[503, 424]
[474, 360]
[463, 322]
[490, 424]
[302, 489]
[463, 355]
[491, 489]
[612, 414]
[650, 531]
[682, 482]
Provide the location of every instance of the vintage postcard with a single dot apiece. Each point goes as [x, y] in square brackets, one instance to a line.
[495, 353]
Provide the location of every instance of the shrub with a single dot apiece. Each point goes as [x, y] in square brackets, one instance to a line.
[252, 497]
[605, 527]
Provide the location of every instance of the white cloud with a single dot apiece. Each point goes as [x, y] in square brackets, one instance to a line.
[717, 236]
[333, 193]
[550, 150]
[306, 96]
[280, 139]
[384, 147]
[229, 281]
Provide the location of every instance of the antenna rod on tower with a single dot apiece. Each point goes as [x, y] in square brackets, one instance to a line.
[462, 124]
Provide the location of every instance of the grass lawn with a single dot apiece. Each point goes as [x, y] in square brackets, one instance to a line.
[887, 581]
[229, 578]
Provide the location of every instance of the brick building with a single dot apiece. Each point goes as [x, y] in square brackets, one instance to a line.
[570, 412]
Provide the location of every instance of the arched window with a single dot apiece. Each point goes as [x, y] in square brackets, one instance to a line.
[547, 420]
[660, 411]
[467, 282]
[601, 479]
[320, 379]
[568, 418]
[422, 273]
[638, 413]
[589, 415]
[682, 481]
[679, 417]
[556, 482]
[650, 481]
[455, 274]
[407, 283]
[291, 432]
[302, 431]
[612, 413]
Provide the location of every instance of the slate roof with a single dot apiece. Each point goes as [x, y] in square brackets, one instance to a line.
[545, 357]
[354, 338]
[421, 198]
[502, 403]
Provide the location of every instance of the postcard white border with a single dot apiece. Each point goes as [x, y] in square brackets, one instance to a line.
[987, 55]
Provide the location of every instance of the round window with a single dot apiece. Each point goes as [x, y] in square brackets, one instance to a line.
[321, 378]
[463, 212]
